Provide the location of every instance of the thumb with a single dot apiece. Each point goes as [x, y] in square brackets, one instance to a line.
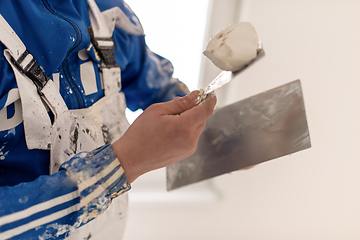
[181, 104]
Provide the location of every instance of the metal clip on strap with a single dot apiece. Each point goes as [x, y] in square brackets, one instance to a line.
[27, 65]
[105, 48]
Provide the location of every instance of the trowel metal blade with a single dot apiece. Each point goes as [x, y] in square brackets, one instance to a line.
[260, 128]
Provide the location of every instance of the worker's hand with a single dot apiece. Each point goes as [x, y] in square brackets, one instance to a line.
[163, 134]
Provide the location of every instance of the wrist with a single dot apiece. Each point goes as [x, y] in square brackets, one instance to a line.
[123, 158]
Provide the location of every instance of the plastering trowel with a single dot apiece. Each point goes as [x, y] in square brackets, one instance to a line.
[260, 128]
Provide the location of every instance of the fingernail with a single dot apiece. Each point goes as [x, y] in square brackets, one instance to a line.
[193, 95]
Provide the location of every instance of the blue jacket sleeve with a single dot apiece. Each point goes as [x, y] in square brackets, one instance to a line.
[81, 190]
[147, 78]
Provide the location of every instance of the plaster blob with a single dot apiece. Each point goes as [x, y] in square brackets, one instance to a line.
[234, 47]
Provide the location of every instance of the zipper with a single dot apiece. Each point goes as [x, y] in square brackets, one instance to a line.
[64, 64]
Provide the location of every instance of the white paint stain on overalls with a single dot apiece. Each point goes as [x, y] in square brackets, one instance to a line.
[80, 130]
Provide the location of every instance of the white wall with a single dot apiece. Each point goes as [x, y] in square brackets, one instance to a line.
[313, 194]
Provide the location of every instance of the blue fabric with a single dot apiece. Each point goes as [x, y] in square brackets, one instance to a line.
[56, 32]
[60, 192]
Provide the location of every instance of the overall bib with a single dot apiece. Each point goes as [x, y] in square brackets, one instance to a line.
[72, 131]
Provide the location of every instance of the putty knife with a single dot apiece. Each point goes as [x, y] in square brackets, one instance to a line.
[226, 76]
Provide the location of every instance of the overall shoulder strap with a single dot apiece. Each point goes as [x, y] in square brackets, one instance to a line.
[34, 88]
[101, 34]
[20, 56]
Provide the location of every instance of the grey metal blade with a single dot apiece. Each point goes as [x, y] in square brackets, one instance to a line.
[260, 128]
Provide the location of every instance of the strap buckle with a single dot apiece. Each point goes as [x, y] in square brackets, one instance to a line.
[105, 48]
[27, 65]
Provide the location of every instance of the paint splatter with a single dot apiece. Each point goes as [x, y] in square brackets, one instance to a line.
[3, 154]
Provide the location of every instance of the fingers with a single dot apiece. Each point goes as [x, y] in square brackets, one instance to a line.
[186, 110]
[200, 113]
[200, 128]
[180, 104]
